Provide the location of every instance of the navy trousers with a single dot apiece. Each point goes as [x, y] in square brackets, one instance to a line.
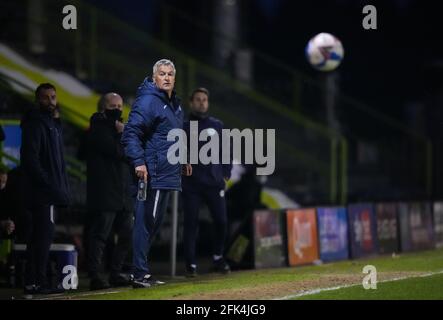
[149, 216]
[214, 198]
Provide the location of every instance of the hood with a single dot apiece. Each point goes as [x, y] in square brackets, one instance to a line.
[149, 88]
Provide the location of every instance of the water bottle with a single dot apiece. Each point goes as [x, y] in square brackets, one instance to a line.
[142, 187]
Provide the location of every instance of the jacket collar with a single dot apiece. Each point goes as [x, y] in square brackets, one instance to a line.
[149, 87]
[35, 114]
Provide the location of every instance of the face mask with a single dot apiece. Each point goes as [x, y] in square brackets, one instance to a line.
[113, 114]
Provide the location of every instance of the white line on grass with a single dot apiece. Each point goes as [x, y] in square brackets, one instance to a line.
[77, 295]
[318, 290]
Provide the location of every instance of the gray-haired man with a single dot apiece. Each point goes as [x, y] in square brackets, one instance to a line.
[156, 111]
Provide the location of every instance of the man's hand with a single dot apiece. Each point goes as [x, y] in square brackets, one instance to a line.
[3, 180]
[119, 126]
[8, 226]
[187, 170]
[142, 172]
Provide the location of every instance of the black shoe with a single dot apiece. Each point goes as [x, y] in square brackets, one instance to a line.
[220, 266]
[191, 271]
[33, 290]
[98, 284]
[146, 282]
[43, 290]
[29, 291]
[120, 280]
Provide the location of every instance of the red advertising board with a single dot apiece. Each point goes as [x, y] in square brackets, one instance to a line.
[302, 236]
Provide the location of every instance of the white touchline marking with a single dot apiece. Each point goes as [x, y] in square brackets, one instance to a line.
[315, 291]
[288, 297]
[74, 296]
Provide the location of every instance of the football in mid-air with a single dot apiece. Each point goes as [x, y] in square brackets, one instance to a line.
[324, 52]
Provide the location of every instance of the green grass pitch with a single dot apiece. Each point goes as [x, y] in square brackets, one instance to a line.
[287, 283]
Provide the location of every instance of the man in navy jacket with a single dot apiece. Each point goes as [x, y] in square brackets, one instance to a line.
[45, 183]
[207, 185]
[155, 111]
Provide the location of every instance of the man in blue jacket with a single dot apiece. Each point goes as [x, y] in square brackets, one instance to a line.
[155, 111]
[45, 183]
[206, 185]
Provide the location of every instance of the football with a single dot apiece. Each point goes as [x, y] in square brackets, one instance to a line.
[324, 52]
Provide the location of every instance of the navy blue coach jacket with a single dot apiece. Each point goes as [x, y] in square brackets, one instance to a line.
[210, 175]
[144, 138]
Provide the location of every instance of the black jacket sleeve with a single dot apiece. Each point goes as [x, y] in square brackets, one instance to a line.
[30, 156]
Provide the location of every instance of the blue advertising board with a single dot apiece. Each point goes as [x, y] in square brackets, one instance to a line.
[333, 233]
[12, 143]
[363, 230]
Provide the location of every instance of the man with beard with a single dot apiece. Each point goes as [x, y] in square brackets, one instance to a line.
[45, 184]
[206, 185]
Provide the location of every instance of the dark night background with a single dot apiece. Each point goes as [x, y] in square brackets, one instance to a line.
[386, 92]
[384, 67]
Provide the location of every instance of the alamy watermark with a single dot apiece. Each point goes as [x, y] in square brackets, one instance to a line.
[370, 20]
[370, 281]
[70, 281]
[70, 20]
[215, 151]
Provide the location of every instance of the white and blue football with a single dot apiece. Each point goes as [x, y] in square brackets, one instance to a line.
[324, 52]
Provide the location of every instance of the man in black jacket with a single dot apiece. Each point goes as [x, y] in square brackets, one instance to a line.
[45, 183]
[108, 192]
